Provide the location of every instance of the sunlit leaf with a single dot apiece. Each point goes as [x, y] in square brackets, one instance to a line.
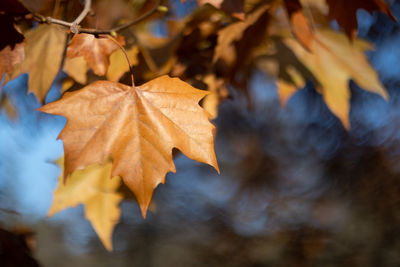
[94, 188]
[137, 127]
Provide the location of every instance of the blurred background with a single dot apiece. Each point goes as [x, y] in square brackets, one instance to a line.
[295, 188]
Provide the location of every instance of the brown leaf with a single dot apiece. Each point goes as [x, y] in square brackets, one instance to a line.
[10, 35]
[34, 5]
[300, 24]
[107, 13]
[96, 51]
[232, 7]
[94, 188]
[9, 58]
[344, 12]
[44, 48]
[227, 37]
[137, 127]
[13, 7]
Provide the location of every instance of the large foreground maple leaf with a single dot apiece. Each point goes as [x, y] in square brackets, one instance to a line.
[137, 127]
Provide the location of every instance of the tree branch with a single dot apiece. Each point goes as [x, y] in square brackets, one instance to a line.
[84, 12]
[76, 28]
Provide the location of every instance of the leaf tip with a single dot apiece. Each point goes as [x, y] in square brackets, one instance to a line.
[143, 209]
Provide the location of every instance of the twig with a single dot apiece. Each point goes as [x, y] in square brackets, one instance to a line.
[142, 17]
[75, 28]
[126, 56]
[10, 211]
[84, 12]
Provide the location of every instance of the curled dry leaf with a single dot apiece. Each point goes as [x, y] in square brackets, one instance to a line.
[137, 127]
[94, 188]
[44, 46]
[300, 25]
[334, 60]
[96, 51]
[344, 12]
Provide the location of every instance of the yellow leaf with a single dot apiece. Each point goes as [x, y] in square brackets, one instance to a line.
[217, 93]
[137, 127]
[76, 68]
[8, 107]
[287, 89]
[119, 65]
[211, 101]
[44, 46]
[334, 60]
[93, 188]
[66, 84]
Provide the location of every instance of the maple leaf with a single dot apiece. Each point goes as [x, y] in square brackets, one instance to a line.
[76, 68]
[334, 60]
[119, 65]
[344, 12]
[93, 188]
[96, 51]
[9, 58]
[137, 127]
[44, 46]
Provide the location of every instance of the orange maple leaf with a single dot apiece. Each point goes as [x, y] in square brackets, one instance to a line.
[137, 127]
[96, 51]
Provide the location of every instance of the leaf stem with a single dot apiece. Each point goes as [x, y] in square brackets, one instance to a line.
[126, 56]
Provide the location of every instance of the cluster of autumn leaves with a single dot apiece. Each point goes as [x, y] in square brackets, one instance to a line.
[128, 132]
